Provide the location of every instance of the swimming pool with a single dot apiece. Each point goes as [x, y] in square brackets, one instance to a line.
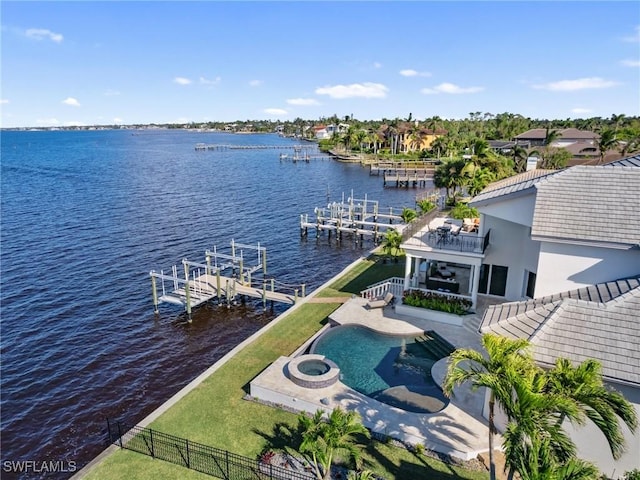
[394, 370]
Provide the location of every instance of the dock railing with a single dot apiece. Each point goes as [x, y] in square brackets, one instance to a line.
[202, 458]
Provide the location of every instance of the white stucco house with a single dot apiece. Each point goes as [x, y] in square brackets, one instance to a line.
[562, 249]
[543, 232]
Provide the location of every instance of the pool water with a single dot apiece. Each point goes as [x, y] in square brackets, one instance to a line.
[313, 367]
[376, 365]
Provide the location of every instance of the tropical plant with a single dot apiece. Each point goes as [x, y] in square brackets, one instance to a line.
[583, 385]
[506, 359]
[519, 156]
[425, 206]
[362, 475]
[434, 301]
[408, 215]
[391, 243]
[606, 142]
[462, 211]
[323, 439]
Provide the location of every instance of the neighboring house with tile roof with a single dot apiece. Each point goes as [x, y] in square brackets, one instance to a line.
[600, 322]
[566, 136]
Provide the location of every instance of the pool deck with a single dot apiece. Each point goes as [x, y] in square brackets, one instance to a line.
[458, 430]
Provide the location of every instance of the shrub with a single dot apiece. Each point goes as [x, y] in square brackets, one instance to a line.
[434, 301]
[462, 210]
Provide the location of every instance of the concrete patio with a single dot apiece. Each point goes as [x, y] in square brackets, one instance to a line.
[458, 430]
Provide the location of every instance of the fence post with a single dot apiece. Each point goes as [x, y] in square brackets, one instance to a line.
[109, 430]
[153, 455]
[186, 440]
[226, 457]
[120, 435]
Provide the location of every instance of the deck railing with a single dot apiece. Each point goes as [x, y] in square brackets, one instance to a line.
[394, 285]
[462, 242]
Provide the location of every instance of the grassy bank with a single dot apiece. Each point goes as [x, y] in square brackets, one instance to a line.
[216, 414]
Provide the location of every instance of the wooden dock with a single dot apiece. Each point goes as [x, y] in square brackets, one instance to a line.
[405, 177]
[223, 147]
[199, 283]
[358, 217]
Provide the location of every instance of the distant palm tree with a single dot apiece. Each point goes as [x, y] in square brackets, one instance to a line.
[606, 142]
[391, 243]
[519, 155]
[550, 137]
[408, 215]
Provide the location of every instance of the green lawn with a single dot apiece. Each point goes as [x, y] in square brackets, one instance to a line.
[216, 414]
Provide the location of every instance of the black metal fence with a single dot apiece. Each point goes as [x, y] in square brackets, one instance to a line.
[196, 456]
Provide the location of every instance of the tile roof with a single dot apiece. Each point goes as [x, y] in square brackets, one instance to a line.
[516, 183]
[564, 133]
[600, 322]
[589, 203]
[626, 162]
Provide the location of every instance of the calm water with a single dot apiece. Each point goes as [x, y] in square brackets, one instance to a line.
[85, 216]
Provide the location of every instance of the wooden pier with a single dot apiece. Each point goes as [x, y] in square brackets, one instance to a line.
[406, 177]
[223, 147]
[378, 168]
[359, 217]
[199, 283]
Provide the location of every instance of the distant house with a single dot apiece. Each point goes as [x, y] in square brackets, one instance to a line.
[321, 132]
[412, 141]
[566, 136]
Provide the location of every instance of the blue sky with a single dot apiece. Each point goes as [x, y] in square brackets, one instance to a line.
[88, 63]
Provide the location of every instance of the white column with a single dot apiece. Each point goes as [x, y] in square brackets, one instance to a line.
[416, 270]
[475, 272]
[407, 272]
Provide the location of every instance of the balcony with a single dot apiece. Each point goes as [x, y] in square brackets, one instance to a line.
[447, 239]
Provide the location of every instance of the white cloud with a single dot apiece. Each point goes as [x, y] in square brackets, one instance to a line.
[630, 63]
[73, 123]
[635, 38]
[450, 88]
[182, 81]
[111, 93]
[275, 111]
[305, 102]
[363, 90]
[215, 81]
[118, 120]
[377, 65]
[578, 84]
[581, 110]
[4, 101]
[409, 72]
[71, 102]
[43, 34]
[47, 122]
[255, 83]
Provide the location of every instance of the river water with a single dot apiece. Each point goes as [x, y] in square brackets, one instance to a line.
[85, 215]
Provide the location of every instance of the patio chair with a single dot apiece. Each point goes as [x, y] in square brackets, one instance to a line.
[380, 302]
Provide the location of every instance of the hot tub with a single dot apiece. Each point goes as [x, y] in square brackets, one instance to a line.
[313, 371]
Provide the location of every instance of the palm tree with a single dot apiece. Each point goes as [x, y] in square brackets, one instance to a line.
[506, 359]
[533, 423]
[392, 242]
[519, 155]
[583, 385]
[323, 439]
[606, 142]
[408, 215]
[550, 137]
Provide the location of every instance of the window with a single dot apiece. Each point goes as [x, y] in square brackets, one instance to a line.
[531, 284]
[493, 279]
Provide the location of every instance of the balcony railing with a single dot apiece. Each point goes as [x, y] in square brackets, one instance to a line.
[462, 242]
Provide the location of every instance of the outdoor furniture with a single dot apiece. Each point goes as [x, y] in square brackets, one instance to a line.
[380, 302]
